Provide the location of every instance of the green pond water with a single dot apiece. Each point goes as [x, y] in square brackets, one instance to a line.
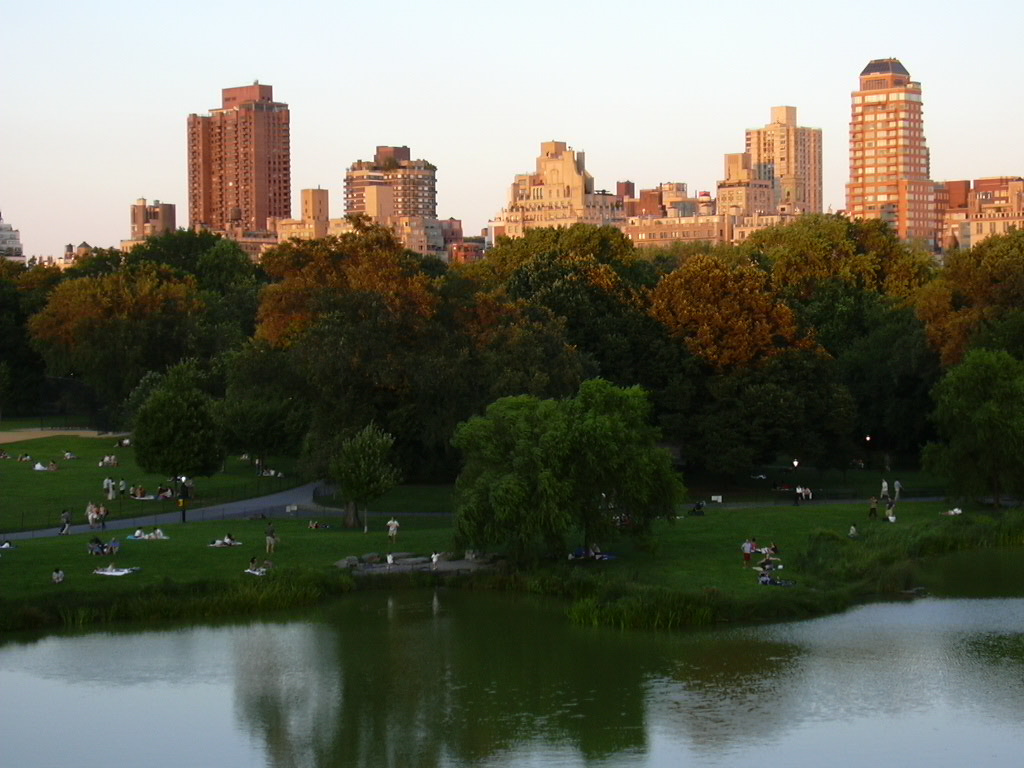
[446, 678]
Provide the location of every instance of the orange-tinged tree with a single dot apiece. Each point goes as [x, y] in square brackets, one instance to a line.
[308, 275]
[112, 329]
[726, 315]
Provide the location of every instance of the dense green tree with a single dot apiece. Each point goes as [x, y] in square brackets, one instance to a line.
[974, 294]
[889, 368]
[180, 250]
[98, 262]
[23, 366]
[794, 404]
[363, 471]
[538, 471]
[818, 248]
[979, 410]
[176, 431]
[266, 408]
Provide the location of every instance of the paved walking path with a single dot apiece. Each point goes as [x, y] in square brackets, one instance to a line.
[274, 505]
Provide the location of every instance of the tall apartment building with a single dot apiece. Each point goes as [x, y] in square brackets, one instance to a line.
[889, 160]
[392, 184]
[559, 193]
[789, 156]
[10, 241]
[239, 162]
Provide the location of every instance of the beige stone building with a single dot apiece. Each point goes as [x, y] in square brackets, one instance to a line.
[648, 232]
[423, 234]
[742, 193]
[559, 193]
[313, 224]
[789, 156]
[651, 232]
[889, 159]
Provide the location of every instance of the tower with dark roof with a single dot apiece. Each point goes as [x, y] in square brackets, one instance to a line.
[890, 169]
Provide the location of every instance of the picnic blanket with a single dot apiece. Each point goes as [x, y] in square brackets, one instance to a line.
[111, 571]
[256, 571]
[221, 543]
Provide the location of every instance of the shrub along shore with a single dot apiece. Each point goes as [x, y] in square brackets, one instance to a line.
[688, 572]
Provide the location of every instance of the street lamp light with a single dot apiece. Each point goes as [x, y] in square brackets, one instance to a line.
[796, 463]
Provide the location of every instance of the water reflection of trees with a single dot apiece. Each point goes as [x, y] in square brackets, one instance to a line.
[405, 682]
[288, 690]
[411, 679]
[479, 681]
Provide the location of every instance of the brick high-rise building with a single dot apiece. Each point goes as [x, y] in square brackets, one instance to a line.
[391, 185]
[239, 162]
[789, 156]
[149, 221]
[889, 161]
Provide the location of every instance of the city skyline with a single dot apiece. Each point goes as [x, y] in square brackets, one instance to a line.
[95, 116]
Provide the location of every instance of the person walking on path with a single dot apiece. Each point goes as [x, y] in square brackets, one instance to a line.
[885, 490]
[65, 522]
[897, 488]
[393, 530]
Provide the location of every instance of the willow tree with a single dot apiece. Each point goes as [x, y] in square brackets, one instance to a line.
[540, 472]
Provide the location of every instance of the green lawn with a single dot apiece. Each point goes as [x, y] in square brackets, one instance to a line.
[836, 484]
[32, 500]
[185, 556]
[689, 554]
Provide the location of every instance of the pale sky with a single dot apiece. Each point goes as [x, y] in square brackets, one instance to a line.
[94, 96]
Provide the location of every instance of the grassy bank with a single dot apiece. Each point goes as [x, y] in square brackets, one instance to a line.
[183, 577]
[34, 500]
[690, 573]
[687, 573]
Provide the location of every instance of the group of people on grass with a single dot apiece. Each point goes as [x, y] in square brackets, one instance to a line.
[890, 501]
[767, 565]
[97, 546]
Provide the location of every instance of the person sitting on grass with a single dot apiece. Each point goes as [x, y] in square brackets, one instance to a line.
[768, 563]
[854, 533]
[57, 576]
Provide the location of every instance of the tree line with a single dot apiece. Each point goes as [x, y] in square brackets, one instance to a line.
[805, 339]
